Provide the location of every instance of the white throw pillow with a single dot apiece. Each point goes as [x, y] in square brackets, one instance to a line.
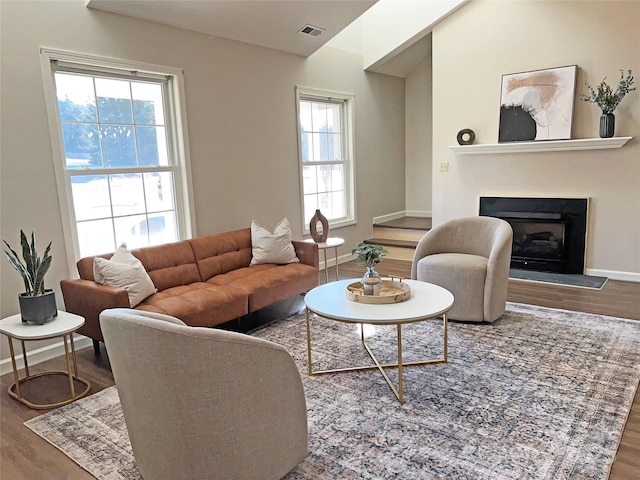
[124, 270]
[276, 247]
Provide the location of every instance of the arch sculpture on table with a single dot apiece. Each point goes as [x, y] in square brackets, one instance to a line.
[313, 227]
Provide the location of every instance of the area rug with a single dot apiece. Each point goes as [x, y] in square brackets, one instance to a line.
[539, 394]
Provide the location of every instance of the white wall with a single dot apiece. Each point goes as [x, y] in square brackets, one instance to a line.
[390, 26]
[241, 118]
[418, 126]
[474, 47]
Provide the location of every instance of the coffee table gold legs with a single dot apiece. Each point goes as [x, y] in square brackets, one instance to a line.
[397, 391]
[309, 343]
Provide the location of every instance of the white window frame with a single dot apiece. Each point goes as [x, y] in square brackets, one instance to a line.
[348, 150]
[176, 109]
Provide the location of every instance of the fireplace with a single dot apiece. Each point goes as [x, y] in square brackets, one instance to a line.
[549, 234]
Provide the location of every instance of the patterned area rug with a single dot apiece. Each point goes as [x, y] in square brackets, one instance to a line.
[540, 394]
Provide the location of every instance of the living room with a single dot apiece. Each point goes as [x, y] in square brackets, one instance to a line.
[240, 103]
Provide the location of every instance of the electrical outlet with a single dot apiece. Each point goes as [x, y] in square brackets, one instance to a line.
[444, 166]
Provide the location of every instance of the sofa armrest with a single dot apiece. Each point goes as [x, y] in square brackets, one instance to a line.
[87, 299]
[307, 253]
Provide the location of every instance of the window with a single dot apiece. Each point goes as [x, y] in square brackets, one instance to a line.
[325, 121]
[122, 166]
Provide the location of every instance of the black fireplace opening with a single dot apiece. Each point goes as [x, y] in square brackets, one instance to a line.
[549, 234]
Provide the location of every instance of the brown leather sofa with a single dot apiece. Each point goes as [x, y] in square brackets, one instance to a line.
[204, 281]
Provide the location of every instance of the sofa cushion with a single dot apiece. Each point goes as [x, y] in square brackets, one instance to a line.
[198, 304]
[169, 265]
[124, 270]
[269, 283]
[222, 252]
[276, 247]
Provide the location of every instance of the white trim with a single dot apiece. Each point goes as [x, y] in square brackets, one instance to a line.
[389, 216]
[541, 146]
[107, 62]
[614, 274]
[347, 100]
[43, 354]
[401, 214]
[184, 196]
[419, 214]
[346, 257]
[67, 216]
[183, 151]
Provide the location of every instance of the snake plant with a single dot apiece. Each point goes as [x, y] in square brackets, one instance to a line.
[34, 268]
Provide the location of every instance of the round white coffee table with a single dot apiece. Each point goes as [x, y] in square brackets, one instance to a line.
[427, 301]
[61, 326]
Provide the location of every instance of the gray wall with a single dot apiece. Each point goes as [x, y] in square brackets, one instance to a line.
[483, 40]
[241, 120]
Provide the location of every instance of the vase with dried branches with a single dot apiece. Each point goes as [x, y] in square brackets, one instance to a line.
[607, 99]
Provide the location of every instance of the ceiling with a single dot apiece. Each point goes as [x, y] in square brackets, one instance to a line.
[268, 23]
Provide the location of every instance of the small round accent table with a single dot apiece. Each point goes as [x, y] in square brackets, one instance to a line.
[62, 326]
[332, 242]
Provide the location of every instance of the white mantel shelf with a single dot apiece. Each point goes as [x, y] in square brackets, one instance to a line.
[541, 146]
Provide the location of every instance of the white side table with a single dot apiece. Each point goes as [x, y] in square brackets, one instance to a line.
[61, 326]
[332, 242]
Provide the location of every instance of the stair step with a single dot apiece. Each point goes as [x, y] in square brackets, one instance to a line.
[410, 223]
[400, 236]
[391, 242]
[397, 249]
[400, 253]
[393, 233]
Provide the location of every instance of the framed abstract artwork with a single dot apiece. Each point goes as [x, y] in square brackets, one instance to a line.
[537, 105]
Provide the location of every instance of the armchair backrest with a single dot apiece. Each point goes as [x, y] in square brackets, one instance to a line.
[484, 236]
[205, 403]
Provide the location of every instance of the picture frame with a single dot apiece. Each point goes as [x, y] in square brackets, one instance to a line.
[537, 105]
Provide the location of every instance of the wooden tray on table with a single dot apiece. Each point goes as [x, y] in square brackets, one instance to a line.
[392, 291]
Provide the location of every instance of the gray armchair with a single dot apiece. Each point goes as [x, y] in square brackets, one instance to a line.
[470, 257]
[203, 403]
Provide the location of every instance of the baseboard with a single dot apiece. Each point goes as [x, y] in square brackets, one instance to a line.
[347, 257]
[42, 354]
[614, 275]
[418, 213]
[401, 214]
[389, 217]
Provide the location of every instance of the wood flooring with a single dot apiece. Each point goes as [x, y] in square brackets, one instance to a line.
[26, 456]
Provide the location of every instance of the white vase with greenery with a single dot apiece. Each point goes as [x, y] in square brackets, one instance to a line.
[370, 256]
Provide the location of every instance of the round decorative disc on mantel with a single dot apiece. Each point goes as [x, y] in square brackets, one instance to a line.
[466, 136]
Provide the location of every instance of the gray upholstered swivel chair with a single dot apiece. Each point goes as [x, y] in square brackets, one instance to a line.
[470, 257]
[203, 403]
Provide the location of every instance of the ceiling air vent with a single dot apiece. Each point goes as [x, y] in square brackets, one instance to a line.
[311, 30]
